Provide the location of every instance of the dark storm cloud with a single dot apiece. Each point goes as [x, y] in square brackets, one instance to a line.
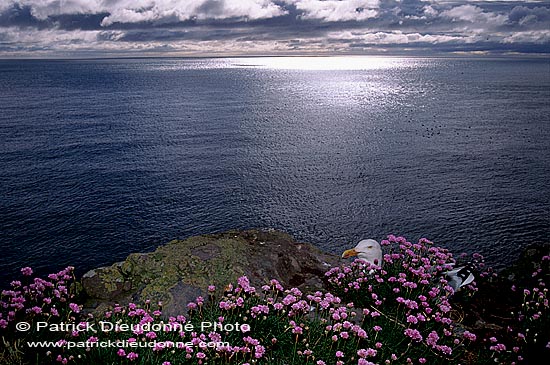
[20, 16]
[55, 27]
[529, 17]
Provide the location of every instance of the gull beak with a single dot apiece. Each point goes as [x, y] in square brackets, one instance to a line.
[349, 253]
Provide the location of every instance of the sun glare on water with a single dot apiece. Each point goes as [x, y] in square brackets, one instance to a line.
[321, 63]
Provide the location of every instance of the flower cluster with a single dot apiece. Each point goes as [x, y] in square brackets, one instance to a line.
[533, 318]
[407, 295]
[38, 299]
[401, 312]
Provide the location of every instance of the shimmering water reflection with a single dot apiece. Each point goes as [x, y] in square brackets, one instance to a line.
[107, 157]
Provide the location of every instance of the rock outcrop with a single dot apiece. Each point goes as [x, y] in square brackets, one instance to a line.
[178, 272]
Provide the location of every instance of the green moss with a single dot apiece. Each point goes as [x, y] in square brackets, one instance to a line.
[179, 271]
[198, 262]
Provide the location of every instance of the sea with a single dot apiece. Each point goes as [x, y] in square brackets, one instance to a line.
[101, 158]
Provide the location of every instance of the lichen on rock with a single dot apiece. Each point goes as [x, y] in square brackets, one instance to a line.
[181, 270]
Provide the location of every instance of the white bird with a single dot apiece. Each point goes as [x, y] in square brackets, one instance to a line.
[371, 251]
[457, 278]
[368, 250]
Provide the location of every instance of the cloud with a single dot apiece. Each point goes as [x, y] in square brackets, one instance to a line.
[524, 16]
[536, 37]
[474, 14]
[42, 9]
[131, 11]
[396, 37]
[171, 11]
[336, 11]
[189, 27]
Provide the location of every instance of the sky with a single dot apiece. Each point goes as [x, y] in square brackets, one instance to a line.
[206, 28]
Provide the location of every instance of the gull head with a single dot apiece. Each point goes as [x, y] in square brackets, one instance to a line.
[368, 250]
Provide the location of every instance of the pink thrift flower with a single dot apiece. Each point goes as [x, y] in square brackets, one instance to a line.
[259, 351]
[371, 352]
[74, 307]
[413, 334]
[470, 336]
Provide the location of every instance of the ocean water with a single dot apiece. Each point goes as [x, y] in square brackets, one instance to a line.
[102, 158]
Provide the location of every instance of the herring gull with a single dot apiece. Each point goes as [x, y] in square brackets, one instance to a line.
[457, 278]
[371, 251]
